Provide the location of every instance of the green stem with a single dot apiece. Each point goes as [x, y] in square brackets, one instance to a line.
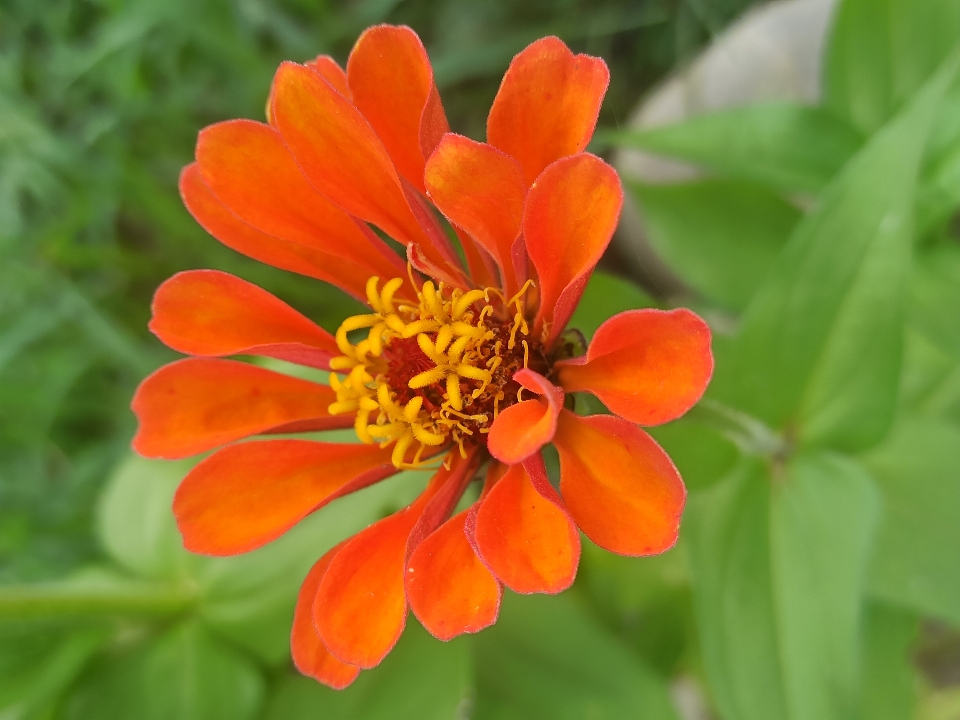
[72, 599]
[752, 436]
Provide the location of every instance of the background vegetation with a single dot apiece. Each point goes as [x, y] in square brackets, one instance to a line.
[818, 573]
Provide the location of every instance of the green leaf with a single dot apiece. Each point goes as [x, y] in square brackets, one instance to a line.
[778, 577]
[889, 679]
[185, 674]
[720, 236]
[820, 343]
[189, 674]
[930, 381]
[701, 454]
[37, 666]
[915, 562]
[546, 659]
[135, 520]
[823, 515]
[945, 136]
[421, 679]
[646, 601]
[727, 530]
[605, 296]
[935, 297]
[782, 145]
[881, 51]
[939, 193]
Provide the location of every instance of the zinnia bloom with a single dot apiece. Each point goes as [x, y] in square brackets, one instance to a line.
[463, 363]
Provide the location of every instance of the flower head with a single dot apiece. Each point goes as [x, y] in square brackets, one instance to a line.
[465, 366]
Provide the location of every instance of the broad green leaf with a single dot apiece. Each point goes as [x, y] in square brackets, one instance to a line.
[823, 515]
[778, 567]
[702, 455]
[605, 296]
[546, 659]
[646, 601]
[136, 523]
[820, 343]
[934, 307]
[782, 145]
[37, 666]
[727, 530]
[189, 674]
[889, 679]
[720, 236]
[930, 380]
[185, 674]
[915, 561]
[881, 51]
[421, 679]
[939, 194]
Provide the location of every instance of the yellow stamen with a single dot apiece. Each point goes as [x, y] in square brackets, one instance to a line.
[428, 377]
[464, 302]
[468, 340]
[453, 392]
[373, 297]
[412, 410]
[523, 291]
[389, 290]
[400, 449]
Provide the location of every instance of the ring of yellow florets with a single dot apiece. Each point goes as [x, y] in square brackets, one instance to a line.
[433, 372]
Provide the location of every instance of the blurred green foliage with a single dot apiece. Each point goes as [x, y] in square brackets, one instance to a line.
[821, 538]
[814, 557]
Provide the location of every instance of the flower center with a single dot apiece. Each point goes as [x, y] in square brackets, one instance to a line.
[433, 372]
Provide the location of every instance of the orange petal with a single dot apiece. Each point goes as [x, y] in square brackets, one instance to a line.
[433, 124]
[392, 84]
[522, 429]
[250, 170]
[570, 215]
[310, 655]
[360, 610]
[648, 366]
[547, 105]
[226, 227]
[481, 190]
[246, 495]
[482, 267]
[449, 589]
[330, 70]
[344, 159]
[213, 313]
[525, 535]
[325, 66]
[451, 481]
[620, 486]
[197, 404]
[361, 607]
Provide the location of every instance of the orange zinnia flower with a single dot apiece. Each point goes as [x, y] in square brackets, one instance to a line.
[457, 367]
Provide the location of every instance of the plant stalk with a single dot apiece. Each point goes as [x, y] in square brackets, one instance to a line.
[62, 599]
